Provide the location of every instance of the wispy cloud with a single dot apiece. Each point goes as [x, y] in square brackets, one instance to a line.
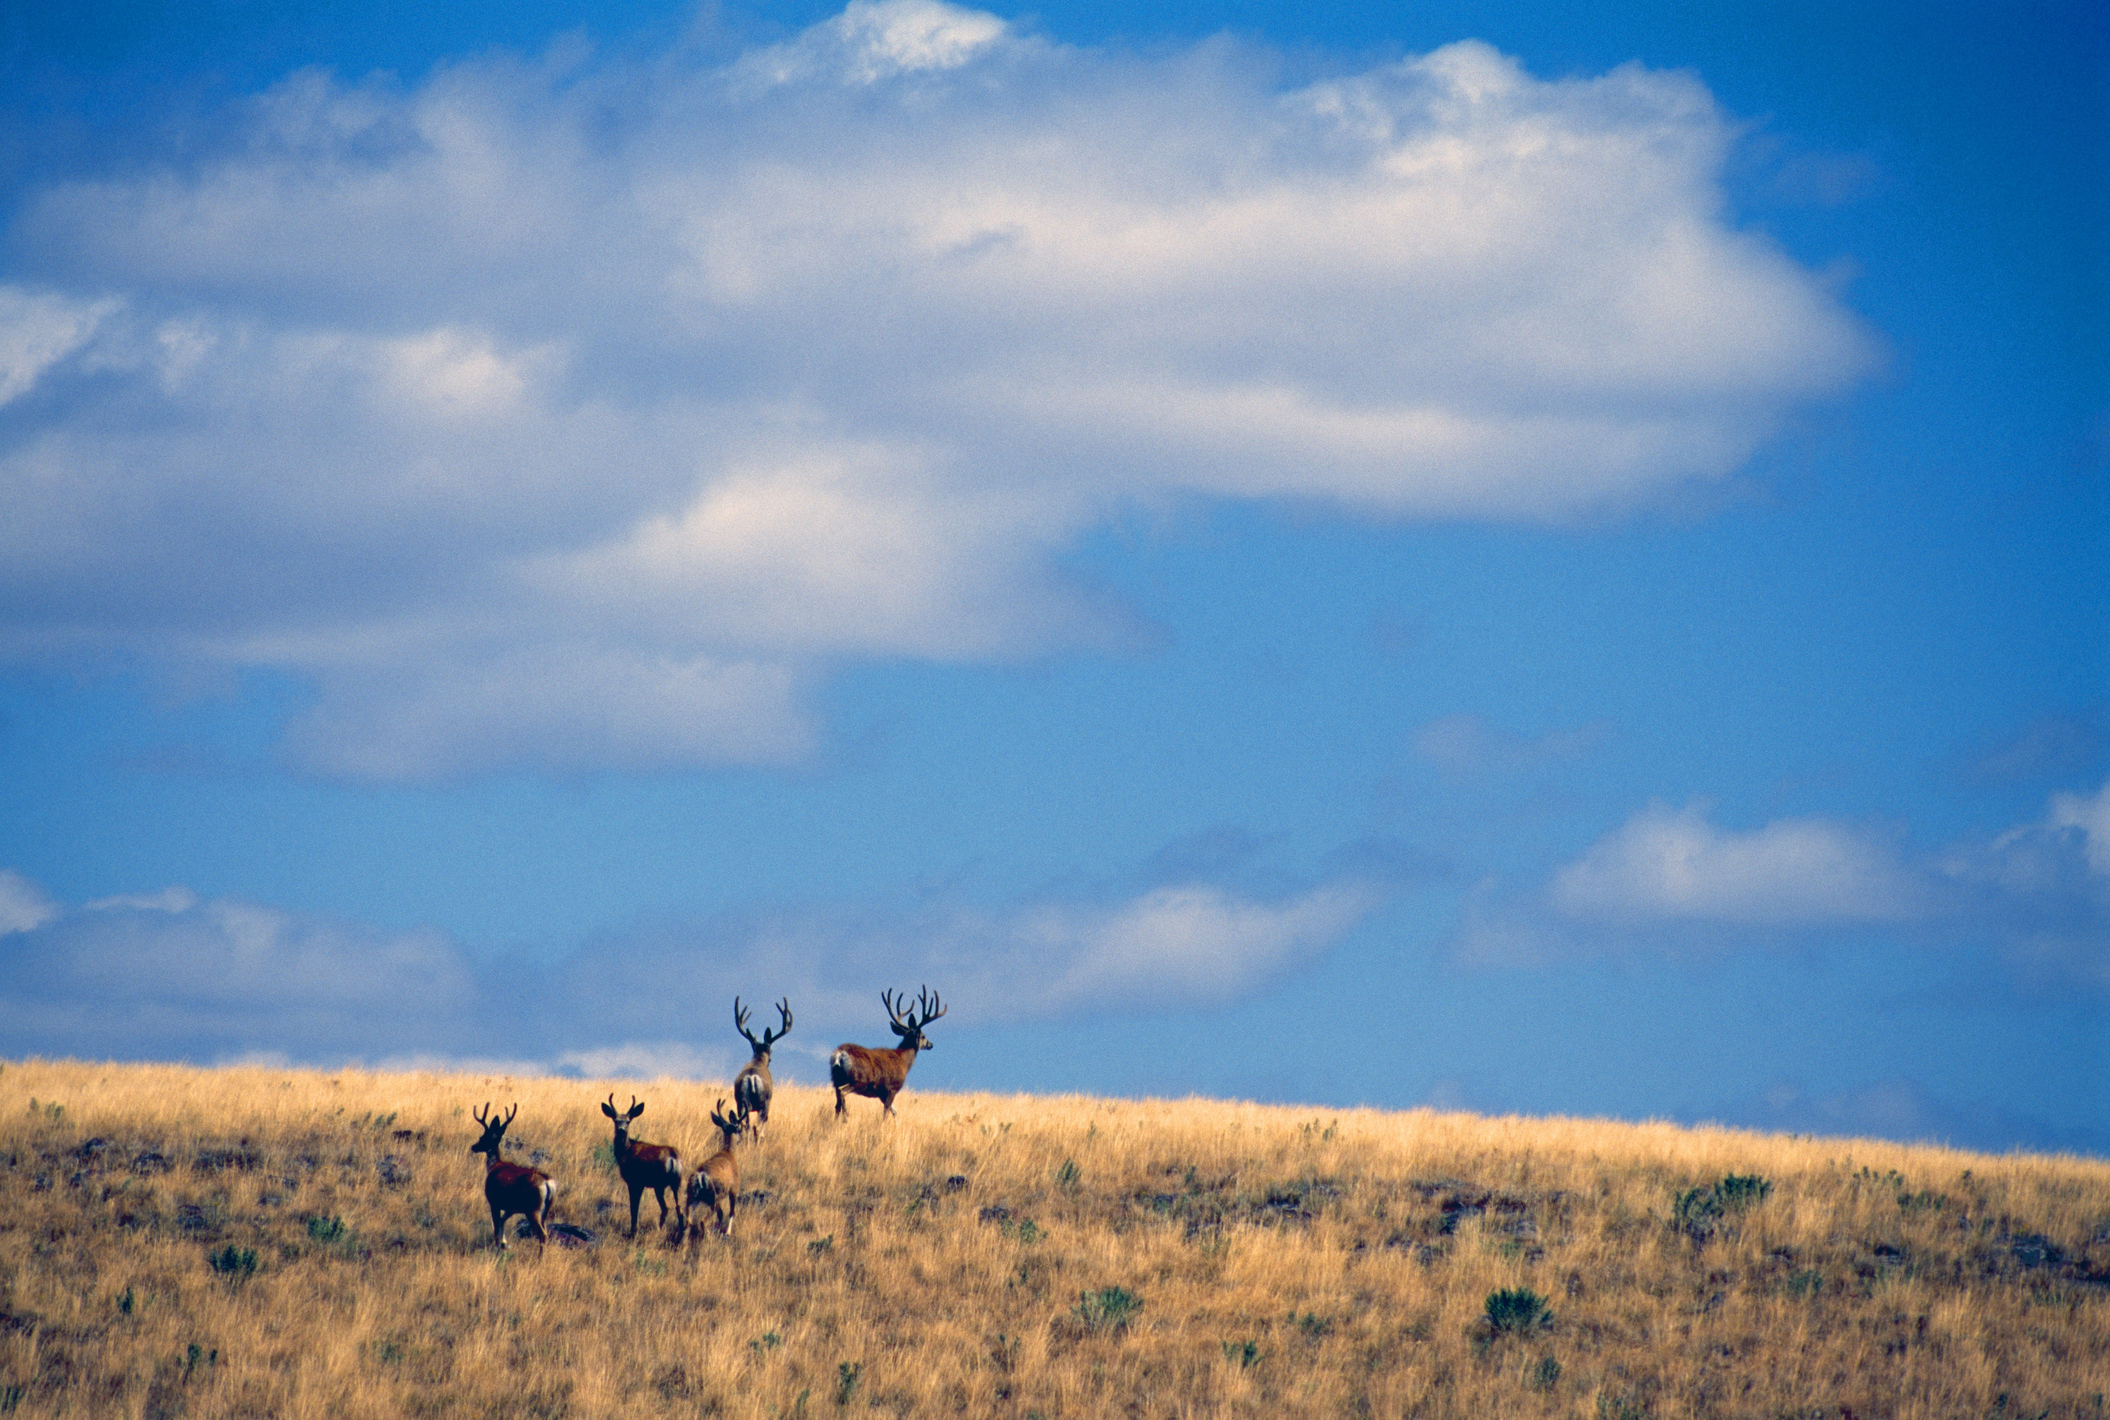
[2046, 886]
[166, 974]
[577, 417]
[37, 331]
[23, 905]
[169, 975]
[1464, 746]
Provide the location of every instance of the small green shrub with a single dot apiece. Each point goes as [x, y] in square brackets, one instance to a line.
[232, 1261]
[1738, 1191]
[846, 1375]
[1699, 1210]
[1546, 1374]
[1245, 1353]
[1515, 1310]
[1108, 1310]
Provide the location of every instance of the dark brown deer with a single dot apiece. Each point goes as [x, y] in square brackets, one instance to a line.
[716, 1182]
[881, 1074]
[752, 1086]
[512, 1188]
[654, 1166]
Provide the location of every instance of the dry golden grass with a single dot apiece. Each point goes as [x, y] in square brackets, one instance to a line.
[962, 1260]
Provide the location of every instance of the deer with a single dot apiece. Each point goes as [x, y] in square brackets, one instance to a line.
[752, 1086]
[512, 1188]
[881, 1074]
[654, 1166]
[716, 1182]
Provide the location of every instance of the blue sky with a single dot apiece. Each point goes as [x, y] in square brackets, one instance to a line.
[1449, 556]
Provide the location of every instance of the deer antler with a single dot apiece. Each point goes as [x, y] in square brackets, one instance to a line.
[930, 1010]
[927, 1009]
[482, 1116]
[769, 1037]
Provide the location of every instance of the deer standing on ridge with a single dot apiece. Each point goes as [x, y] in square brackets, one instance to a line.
[654, 1166]
[716, 1182]
[752, 1087]
[881, 1074]
[512, 1188]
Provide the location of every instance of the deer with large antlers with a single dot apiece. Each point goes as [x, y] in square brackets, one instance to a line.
[881, 1074]
[512, 1188]
[654, 1166]
[752, 1086]
[716, 1182]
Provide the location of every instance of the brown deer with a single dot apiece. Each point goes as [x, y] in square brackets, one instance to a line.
[716, 1182]
[752, 1086]
[654, 1166]
[881, 1074]
[512, 1188]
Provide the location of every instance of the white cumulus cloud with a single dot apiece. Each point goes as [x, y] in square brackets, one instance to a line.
[567, 415]
[1190, 944]
[2035, 897]
[1667, 864]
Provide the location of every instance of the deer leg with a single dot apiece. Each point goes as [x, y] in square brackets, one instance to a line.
[886, 1097]
[498, 1226]
[637, 1196]
[839, 1109]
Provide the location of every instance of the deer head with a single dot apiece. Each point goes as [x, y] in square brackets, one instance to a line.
[622, 1119]
[494, 1130]
[909, 1024]
[729, 1125]
[769, 1037]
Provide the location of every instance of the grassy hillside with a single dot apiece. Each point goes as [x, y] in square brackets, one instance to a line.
[252, 1242]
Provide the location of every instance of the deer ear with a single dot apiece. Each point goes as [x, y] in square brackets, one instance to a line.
[609, 1110]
